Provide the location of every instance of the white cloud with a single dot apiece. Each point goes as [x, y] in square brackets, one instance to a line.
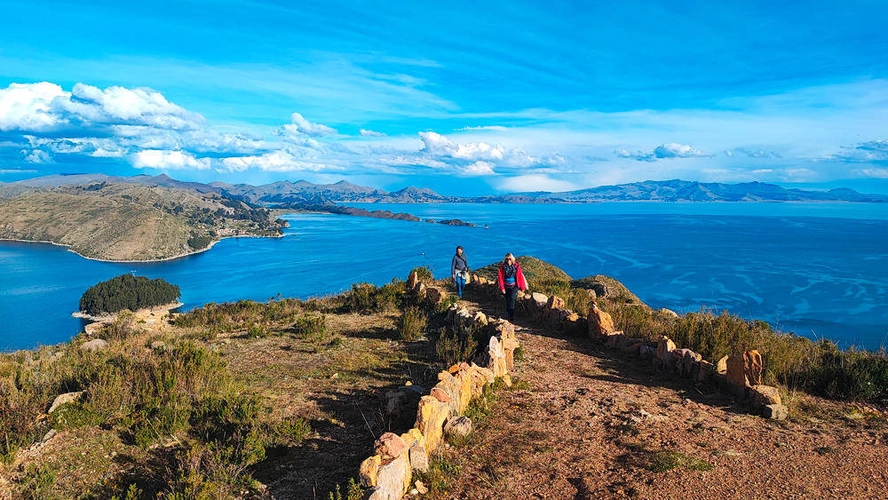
[371, 133]
[276, 161]
[28, 107]
[302, 127]
[534, 182]
[175, 160]
[44, 107]
[872, 151]
[663, 151]
[480, 167]
[37, 156]
[876, 173]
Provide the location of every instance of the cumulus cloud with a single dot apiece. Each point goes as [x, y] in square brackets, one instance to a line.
[664, 151]
[479, 167]
[175, 160]
[371, 133]
[44, 107]
[276, 161]
[302, 127]
[463, 155]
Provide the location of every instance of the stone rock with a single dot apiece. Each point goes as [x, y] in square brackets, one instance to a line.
[393, 479]
[421, 488]
[440, 395]
[775, 412]
[412, 280]
[753, 367]
[736, 371]
[390, 445]
[669, 312]
[634, 348]
[368, 471]
[764, 395]
[94, 345]
[538, 302]
[689, 363]
[419, 459]
[665, 346]
[480, 320]
[722, 366]
[434, 295]
[704, 372]
[600, 322]
[555, 302]
[458, 426]
[413, 438]
[68, 397]
[430, 418]
[647, 351]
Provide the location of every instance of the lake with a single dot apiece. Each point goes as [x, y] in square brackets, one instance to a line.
[818, 269]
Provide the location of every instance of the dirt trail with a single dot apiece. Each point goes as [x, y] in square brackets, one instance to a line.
[588, 422]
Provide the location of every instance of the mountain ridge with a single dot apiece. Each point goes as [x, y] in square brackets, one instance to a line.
[287, 194]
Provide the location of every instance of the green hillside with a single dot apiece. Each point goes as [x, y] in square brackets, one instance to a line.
[129, 222]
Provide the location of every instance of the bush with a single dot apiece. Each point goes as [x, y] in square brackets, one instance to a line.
[453, 348]
[423, 274]
[123, 326]
[312, 327]
[412, 324]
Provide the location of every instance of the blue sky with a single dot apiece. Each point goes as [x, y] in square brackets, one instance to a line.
[462, 97]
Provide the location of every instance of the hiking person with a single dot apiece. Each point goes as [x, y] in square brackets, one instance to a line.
[510, 279]
[459, 270]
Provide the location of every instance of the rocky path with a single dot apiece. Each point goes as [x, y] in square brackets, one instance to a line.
[586, 422]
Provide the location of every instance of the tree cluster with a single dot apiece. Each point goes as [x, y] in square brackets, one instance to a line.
[127, 292]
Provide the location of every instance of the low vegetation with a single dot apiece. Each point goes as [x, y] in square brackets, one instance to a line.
[795, 362]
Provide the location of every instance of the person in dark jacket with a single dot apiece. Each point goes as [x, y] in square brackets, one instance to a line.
[510, 279]
[459, 270]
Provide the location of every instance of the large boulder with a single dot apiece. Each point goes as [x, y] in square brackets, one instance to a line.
[390, 445]
[68, 397]
[430, 418]
[601, 324]
[664, 358]
[752, 364]
[94, 345]
[393, 479]
[764, 395]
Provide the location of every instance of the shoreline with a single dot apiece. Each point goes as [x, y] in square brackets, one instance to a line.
[144, 261]
[145, 310]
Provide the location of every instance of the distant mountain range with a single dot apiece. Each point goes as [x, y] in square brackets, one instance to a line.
[287, 194]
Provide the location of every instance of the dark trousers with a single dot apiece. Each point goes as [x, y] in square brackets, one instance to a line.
[511, 299]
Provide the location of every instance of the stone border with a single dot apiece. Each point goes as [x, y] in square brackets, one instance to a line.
[389, 471]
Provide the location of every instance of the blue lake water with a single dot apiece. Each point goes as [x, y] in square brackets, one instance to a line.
[820, 270]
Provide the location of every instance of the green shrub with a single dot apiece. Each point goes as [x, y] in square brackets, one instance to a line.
[453, 348]
[423, 274]
[353, 491]
[412, 324]
[312, 327]
[123, 326]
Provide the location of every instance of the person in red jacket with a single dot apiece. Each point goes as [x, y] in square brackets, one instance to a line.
[510, 280]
